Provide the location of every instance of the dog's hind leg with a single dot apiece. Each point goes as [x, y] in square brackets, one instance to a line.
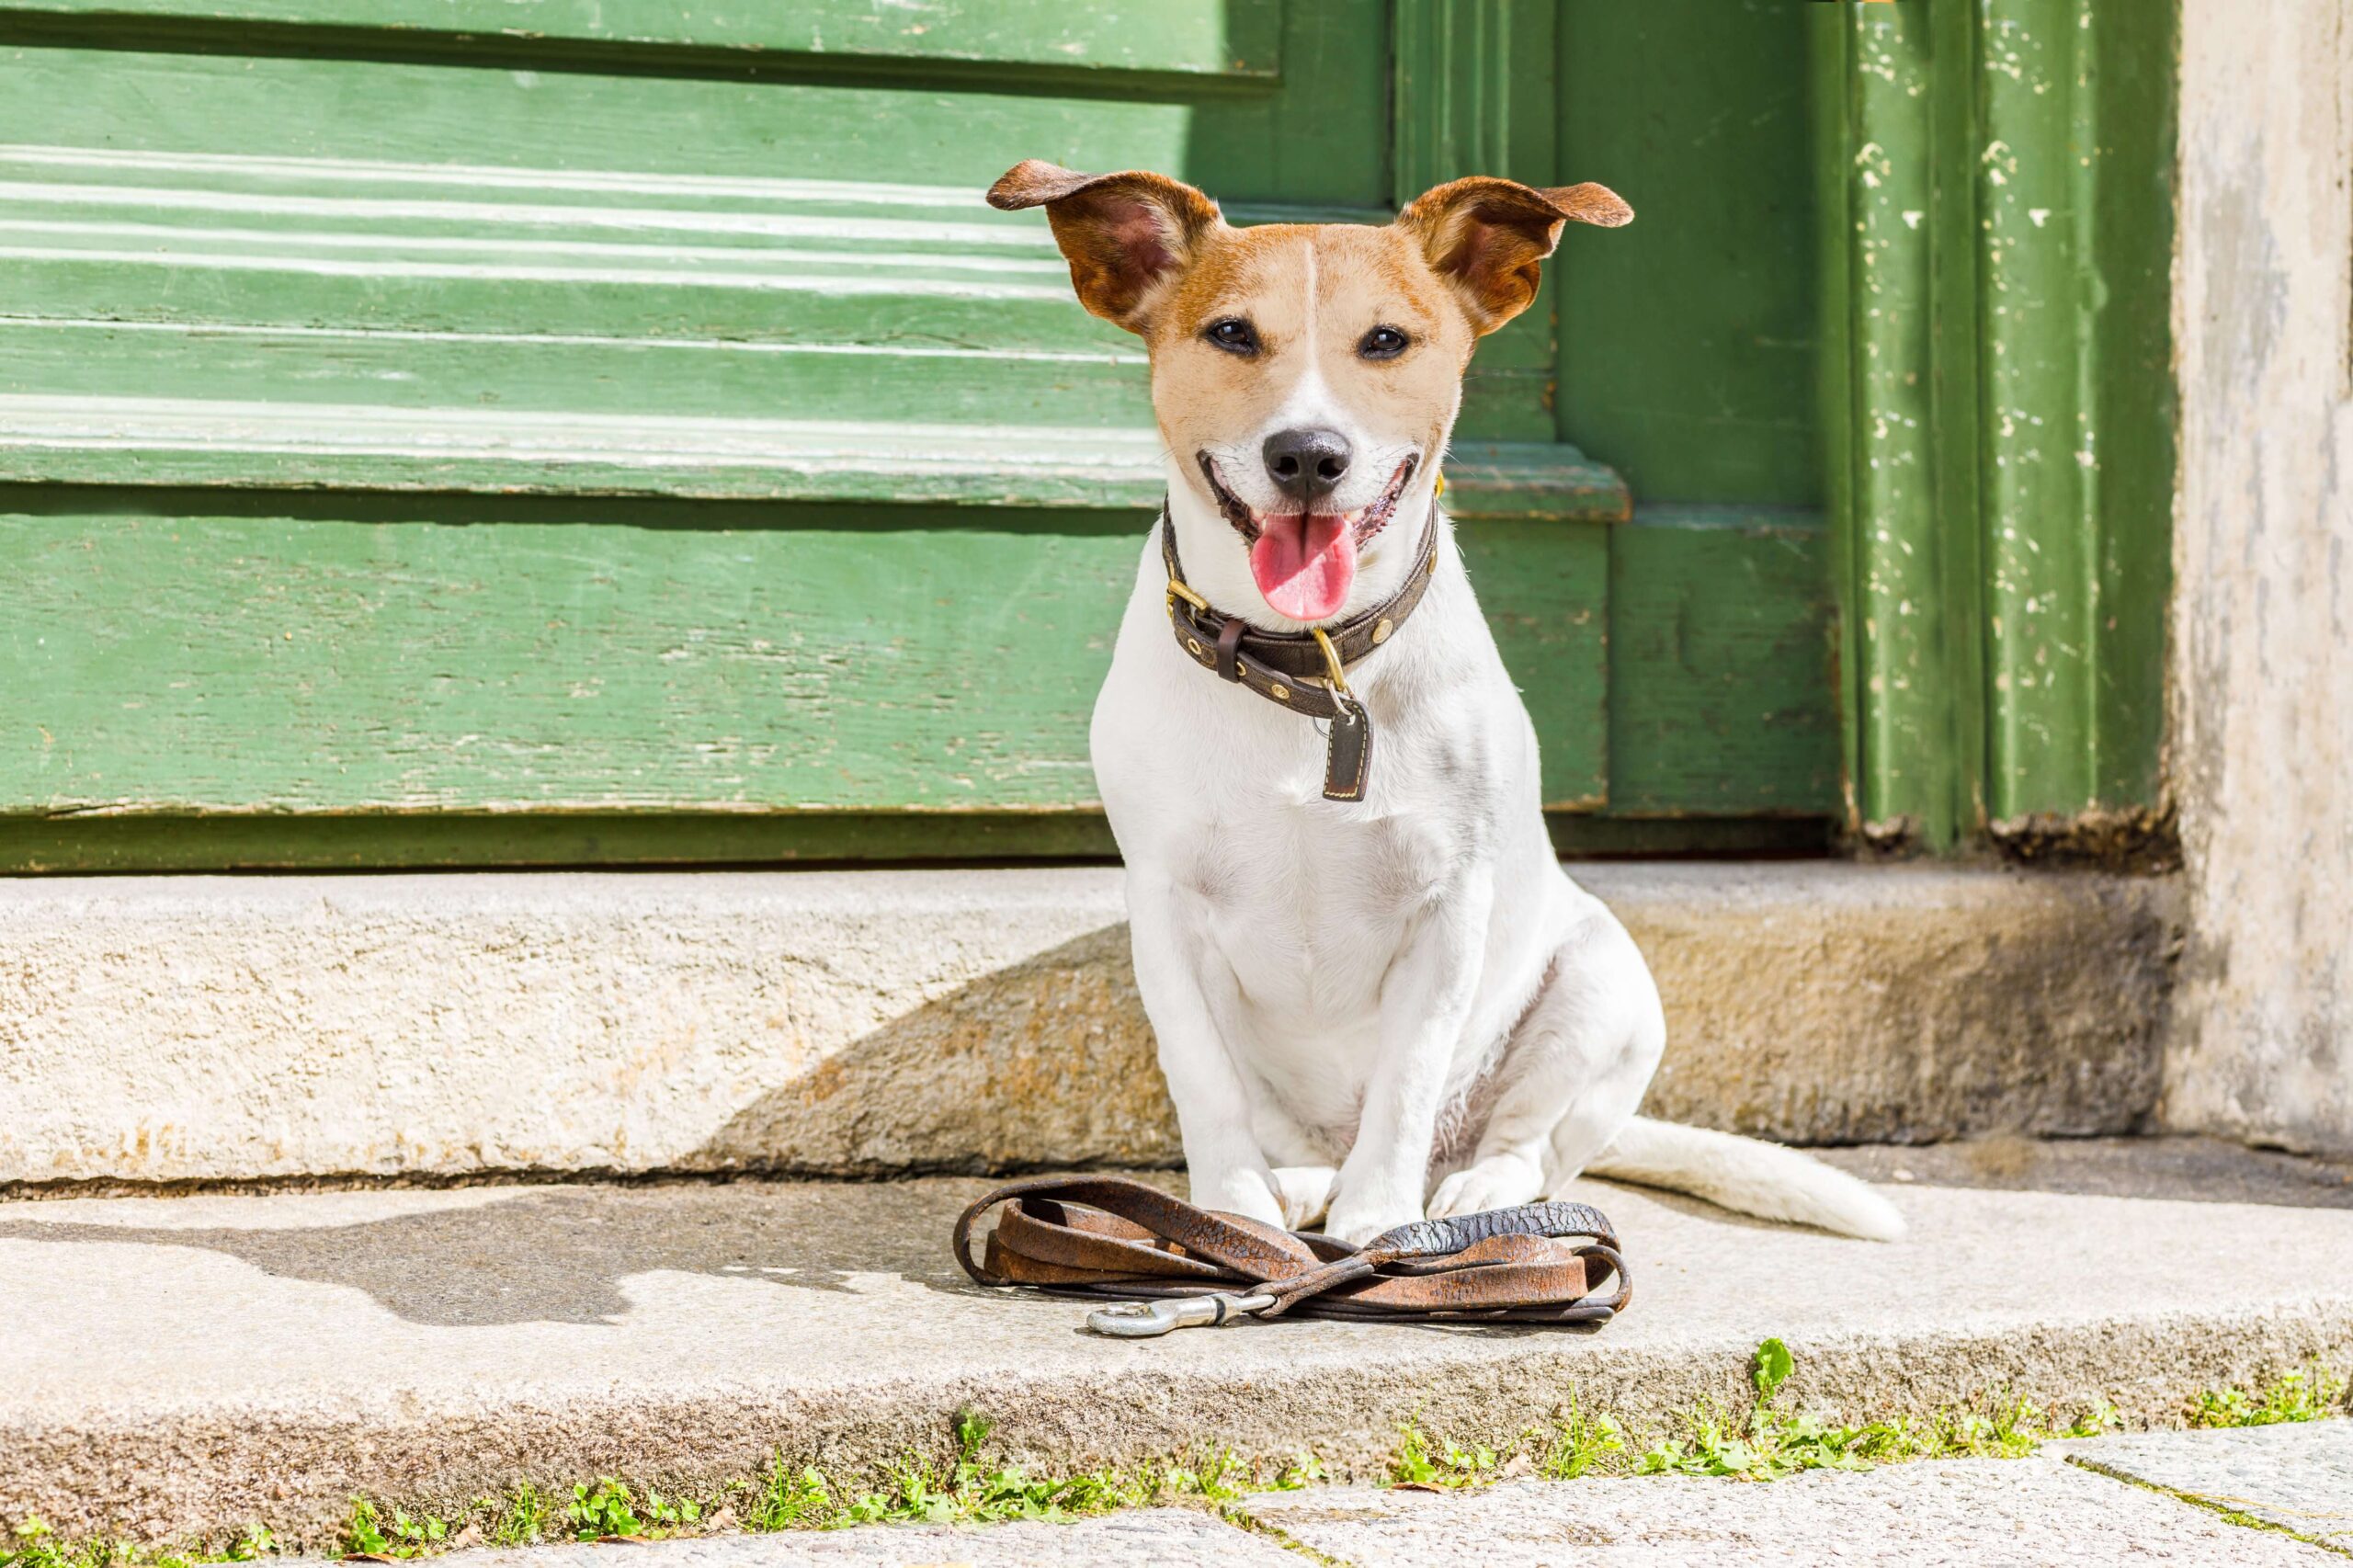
[1573, 1071]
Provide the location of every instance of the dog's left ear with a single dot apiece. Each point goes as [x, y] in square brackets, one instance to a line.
[1488, 237]
[1126, 235]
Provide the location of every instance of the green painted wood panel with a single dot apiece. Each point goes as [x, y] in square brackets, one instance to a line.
[2126, 286]
[320, 268]
[2040, 419]
[355, 655]
[1471, 93]
[1240, 39]
[1688, 339]
[1723, 631]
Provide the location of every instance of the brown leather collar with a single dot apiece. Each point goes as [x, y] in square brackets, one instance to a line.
[1288, 667]
[1303, 671]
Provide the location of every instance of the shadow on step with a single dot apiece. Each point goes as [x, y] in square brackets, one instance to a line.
[559, 1255]
[1044, 1062]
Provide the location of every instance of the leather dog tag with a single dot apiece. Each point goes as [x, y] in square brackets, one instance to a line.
[1347, 750]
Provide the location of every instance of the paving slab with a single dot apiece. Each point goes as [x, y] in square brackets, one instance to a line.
[184, 1029]
[2296, 1475]
[195, 1364]
[2030, 1513]
[1157, 1538]
[2034, 1513]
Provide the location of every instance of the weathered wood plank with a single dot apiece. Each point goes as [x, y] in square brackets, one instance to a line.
[454, 655]
[1235, 39]
[1723, 644]
[219, 843]
[155, 441]
[2003, 493]
[1470, 89]
[454, 278]
[1688, 338]
[1318, 138]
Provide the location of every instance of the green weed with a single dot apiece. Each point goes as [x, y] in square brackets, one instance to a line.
[972, 1491]
[1419, 1462]
[789, 1498]
[1768, 1441]
[2306, 1395]
[403, 1535]
[1579, 1445]
[520, 1519]
[606, 1508]
[1297, 1474]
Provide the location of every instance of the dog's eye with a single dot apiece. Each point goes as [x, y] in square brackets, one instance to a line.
[1234, 335]
[1382, 342]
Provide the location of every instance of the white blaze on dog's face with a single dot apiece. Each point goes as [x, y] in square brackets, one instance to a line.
[1304, 376]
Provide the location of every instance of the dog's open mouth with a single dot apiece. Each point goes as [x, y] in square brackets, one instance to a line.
[1304, 562]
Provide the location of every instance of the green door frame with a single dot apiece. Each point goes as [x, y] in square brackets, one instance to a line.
[1998, 228]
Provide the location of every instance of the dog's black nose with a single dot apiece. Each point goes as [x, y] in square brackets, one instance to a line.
[1306, 464]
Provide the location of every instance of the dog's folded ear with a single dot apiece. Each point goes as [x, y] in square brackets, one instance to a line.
[1126, 235]
[1488, 238]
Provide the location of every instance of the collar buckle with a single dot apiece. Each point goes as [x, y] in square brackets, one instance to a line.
[1334, 675]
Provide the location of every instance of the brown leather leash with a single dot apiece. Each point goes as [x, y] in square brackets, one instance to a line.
[1111, 1236]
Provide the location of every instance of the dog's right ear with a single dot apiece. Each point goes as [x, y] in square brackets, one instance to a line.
[1126, 235]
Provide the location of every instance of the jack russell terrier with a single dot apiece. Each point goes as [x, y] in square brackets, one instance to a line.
[1377, 996]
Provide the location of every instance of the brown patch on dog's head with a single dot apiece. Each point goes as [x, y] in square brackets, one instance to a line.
[1488, 238]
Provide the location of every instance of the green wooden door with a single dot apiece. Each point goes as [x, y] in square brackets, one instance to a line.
[603, 431]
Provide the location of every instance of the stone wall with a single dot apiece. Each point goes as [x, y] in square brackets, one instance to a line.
[2261, 757]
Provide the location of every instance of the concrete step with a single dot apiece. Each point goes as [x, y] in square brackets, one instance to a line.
[218, 1029]
[182, 1367]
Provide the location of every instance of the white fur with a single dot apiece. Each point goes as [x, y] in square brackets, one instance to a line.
[1377, 1010]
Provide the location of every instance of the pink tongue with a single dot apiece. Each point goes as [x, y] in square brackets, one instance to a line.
[1304, 565]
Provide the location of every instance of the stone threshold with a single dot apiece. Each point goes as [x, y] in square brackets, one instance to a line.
[192, 1029]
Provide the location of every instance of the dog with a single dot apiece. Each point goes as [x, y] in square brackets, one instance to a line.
[1378, 995]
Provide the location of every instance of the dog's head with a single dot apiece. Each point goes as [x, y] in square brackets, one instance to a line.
[1304, 376]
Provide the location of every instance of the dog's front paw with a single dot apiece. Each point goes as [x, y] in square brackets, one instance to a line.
[1499, 1181]
[1357, 1222]
[1249, 1192]
[1305, 1192]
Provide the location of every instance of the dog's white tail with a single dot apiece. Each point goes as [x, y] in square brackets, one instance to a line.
[1748, 1176]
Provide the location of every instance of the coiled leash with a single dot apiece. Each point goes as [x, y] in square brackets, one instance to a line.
[1110, 1236]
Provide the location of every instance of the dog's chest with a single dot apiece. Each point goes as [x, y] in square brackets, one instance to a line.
[1309, 904]
[1306, 904]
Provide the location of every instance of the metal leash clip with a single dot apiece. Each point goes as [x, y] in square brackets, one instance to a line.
[1150, 1320]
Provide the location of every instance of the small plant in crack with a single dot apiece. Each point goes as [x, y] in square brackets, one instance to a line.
[367, 1533]
[2309, 1394]
[1421, 1460]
